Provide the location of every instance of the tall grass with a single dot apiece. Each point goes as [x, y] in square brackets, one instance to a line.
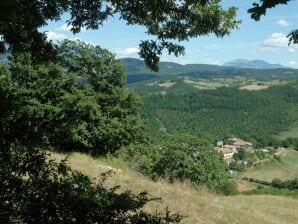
[199, 205]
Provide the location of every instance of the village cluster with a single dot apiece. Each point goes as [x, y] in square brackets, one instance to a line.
[233, 146]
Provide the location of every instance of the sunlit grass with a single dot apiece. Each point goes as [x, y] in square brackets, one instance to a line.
[199, 205]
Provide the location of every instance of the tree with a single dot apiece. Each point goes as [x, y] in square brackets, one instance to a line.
[69, 104]
[79, 103]
[179, 157]
[187, 157]
[260, 9]
[168, 20]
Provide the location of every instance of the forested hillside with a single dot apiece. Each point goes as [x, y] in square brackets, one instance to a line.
[138, 72]
[218, 113]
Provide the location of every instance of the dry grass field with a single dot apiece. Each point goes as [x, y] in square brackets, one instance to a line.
[199, 205]
[254, 87]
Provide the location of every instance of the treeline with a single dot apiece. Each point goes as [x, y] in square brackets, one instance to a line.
[276, 183]
[290, 142]
[216, 114]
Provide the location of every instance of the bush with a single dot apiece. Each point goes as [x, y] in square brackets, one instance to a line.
[34, 189]
[140, 157]
[228, 188]
[178, 157]
[175, 164]
[260, 154]
[236, 165]
[277, 158]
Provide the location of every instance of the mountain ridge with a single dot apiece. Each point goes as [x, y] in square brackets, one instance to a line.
[256, 64]
[138, 72]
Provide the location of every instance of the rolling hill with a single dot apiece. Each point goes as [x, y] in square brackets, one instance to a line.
[138, 72]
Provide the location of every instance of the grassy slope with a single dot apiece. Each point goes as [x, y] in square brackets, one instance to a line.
[200, 206]
[286, 169]
[292, 132]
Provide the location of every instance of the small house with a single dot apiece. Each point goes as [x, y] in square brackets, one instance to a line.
[239, 143]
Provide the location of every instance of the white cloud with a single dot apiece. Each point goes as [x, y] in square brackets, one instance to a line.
[55, 36]
[127, 52]
[282, 23]
[67, 28]
[210, 61]
[277, 42]
[205, 58]
[292, 64]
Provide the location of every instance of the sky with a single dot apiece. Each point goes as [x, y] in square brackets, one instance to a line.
[265, 39]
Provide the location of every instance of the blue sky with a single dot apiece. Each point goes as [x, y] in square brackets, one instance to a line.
[265, 39]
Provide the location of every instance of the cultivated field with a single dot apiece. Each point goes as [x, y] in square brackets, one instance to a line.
[284, 170]
[213, 83]
[254, 87]
[200, 206]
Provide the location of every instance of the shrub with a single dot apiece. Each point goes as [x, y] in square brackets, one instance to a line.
[34, 189]
[175, 164]
[228, 187]
[277, 158]
[140, 157]
[178, 157]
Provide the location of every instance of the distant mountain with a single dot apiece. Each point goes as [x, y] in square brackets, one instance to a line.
[137, 70]
[257, 64]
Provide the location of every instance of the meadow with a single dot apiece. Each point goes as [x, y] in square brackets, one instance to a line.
[197, 205]
[286, 169]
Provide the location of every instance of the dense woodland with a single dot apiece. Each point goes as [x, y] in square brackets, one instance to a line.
[216, 114]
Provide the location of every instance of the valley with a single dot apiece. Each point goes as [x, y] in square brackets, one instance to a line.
[255, 104]
[148, 112]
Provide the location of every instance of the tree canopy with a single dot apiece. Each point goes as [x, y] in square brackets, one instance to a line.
[78, 103]
[259, 9]
[169, 21]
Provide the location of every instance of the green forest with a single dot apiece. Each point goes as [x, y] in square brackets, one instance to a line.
[216, 114]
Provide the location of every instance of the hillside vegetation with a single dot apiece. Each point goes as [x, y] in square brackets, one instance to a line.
[199, 205]
[138, 72]
[215, 114]
[291, 132]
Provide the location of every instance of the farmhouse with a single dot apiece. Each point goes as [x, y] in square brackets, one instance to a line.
[239, 143]
[227, 152]
[234, 144]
